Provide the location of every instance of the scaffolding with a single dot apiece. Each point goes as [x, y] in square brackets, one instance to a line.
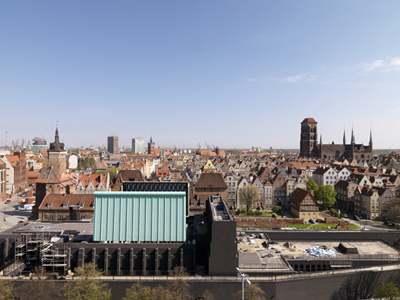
[35, 250]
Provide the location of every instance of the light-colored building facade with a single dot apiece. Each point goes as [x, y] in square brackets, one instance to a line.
[138, 145]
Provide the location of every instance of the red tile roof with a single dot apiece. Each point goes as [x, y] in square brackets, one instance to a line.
[309, 120]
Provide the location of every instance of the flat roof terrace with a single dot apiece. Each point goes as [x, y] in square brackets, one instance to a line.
[273, 257]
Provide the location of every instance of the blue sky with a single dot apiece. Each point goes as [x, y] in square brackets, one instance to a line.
[228, 73]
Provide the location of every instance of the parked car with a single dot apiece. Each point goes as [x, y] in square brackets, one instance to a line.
[357, 218]
[320, 221]
[8, 201]
[311, 221]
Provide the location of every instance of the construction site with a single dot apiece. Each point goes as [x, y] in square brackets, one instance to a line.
[261, 255]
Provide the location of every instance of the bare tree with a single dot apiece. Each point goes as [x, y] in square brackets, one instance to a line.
[207, 295]
[177, 288]
[360, 286]
[249, 194]
[41, 286]
[392, 211]
[251, 292]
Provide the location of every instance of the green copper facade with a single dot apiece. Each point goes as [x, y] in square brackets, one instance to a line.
[140, 216]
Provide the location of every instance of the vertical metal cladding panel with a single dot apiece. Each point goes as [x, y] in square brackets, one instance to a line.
[140, 216]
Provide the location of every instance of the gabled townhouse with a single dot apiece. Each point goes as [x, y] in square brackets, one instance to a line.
[16, 172]
[361, 179]
[345, 194]
[376, 181]
[279, 190]
[260, 204]
[366, 202]
[90, 183]
[304, 205]
[231, 181]
[290, 188]
[242, 183]
[343, 173]
[385, 197]
[268, 194]
[325, 175]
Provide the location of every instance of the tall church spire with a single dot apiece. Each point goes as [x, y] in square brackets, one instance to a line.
[370, 136]
[344, 136]
[320, 139]
[353, 140]
[57, 138]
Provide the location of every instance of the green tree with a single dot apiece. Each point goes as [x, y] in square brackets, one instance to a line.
[92, 162]
[249, 194]
[85, 163]
[139, 292]
[88, 286]
[79, 167]
[277, 209]
[326, 195]
[387, 290]
[7, 290]
[251, 292]
[311, 185]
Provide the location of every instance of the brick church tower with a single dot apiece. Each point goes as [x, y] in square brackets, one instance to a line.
[58, 156]
[308, 138]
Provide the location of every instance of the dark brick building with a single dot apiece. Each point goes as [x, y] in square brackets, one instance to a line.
[309, 146]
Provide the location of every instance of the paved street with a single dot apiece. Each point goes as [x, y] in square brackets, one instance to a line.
[9, 216]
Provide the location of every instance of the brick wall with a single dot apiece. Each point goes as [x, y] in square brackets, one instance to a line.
[259, 222]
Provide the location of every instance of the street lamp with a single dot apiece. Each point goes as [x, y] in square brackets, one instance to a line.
[243, 276]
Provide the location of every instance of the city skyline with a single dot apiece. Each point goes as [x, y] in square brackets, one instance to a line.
[232, 74]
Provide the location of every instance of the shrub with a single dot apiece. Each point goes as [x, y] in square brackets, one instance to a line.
[258, 213]
[277, 209]
[250, 213]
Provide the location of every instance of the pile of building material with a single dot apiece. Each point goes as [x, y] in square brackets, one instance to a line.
[346, 248]
[318, 252]
[290, 246]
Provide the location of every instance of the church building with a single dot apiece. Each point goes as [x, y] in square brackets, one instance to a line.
[309, 146]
